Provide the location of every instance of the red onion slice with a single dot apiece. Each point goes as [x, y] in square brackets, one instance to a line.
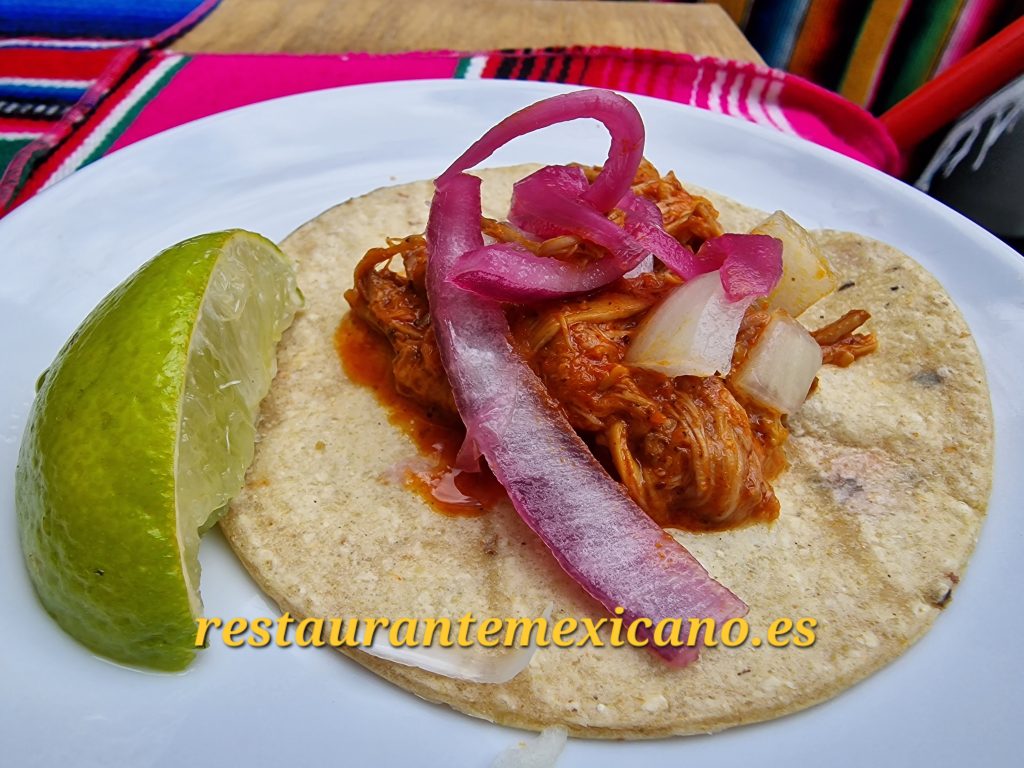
[542, 204]
[617, 114]
[509, 272]
[547, 204]
[751, 265]
[592, 527]
[529, 194]
[640, 210]
[557, 200]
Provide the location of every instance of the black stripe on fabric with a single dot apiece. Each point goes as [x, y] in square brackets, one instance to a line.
[33, 110]
[583, 72]
[563, 73]
[528, 61]
[549, 62]
[508, 63]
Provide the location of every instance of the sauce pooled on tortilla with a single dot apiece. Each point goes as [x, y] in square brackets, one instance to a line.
[366, 358]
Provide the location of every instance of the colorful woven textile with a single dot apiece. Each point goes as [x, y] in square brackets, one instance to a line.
[63, 61]
[46, 89]
[165, 89]
[874, 53]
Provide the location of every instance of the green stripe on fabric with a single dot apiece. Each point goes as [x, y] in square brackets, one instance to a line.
[9, 148]
[26, 171]
[129, 117]
[462, 67]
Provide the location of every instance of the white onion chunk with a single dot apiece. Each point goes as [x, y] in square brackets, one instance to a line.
[692, 332]
[780, 368]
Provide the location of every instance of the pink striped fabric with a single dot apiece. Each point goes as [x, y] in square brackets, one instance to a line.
[169, 89]
[751, 92]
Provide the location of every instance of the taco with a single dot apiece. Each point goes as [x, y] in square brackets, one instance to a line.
[865, 522]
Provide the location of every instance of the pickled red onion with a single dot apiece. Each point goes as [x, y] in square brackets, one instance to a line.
[644, 224]
[617, 114]
[595, 531]
[751, 265]
[557, 200]
[509, 272]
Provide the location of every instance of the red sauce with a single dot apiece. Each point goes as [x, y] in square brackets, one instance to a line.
[366, 359]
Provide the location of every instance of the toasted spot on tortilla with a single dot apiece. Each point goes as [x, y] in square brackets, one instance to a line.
[930, 378]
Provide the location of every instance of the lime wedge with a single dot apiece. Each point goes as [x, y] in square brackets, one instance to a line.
[141, 431]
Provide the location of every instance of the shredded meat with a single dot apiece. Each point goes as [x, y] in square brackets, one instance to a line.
[839, 344]
[396, 305]
[685, 448]
[691, 451]
[690, 219]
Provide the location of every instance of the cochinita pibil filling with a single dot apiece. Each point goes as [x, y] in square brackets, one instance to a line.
[694, 452]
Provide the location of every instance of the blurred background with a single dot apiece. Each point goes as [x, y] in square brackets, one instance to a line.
[877, 53]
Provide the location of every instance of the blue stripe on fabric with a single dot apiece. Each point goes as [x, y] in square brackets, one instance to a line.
[773, 28]
[44, 93]
[112, 19]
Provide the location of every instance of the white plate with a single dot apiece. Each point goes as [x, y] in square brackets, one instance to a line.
[955, 697]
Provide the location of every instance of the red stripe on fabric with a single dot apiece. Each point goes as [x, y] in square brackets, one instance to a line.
[211, 83]
[732, 85]
[645, 82]
[540, 60]
[517, 70]
[19, 125]
[727, 85]
[546, 65]
[636, 75]
[661, 77]
[491, 65]
[646, 71]
[682, 86]
[596, 75]
[56, 63]
[744, 96]
[576, 65]
[610, 72]
[633, 71]
[701, 86]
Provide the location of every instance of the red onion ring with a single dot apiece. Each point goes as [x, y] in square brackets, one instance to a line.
[617, 114]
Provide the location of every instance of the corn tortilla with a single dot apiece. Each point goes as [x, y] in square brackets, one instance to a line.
[890, 473]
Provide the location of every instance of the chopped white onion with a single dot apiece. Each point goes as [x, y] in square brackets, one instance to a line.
[692, 332]
[459, 663]
[478, 665]
[541, 752]
[806, 273]
[780, 368]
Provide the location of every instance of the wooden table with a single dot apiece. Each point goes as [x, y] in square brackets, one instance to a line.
[379, 26]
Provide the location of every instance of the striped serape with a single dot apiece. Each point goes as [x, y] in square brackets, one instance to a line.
[157, 90]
